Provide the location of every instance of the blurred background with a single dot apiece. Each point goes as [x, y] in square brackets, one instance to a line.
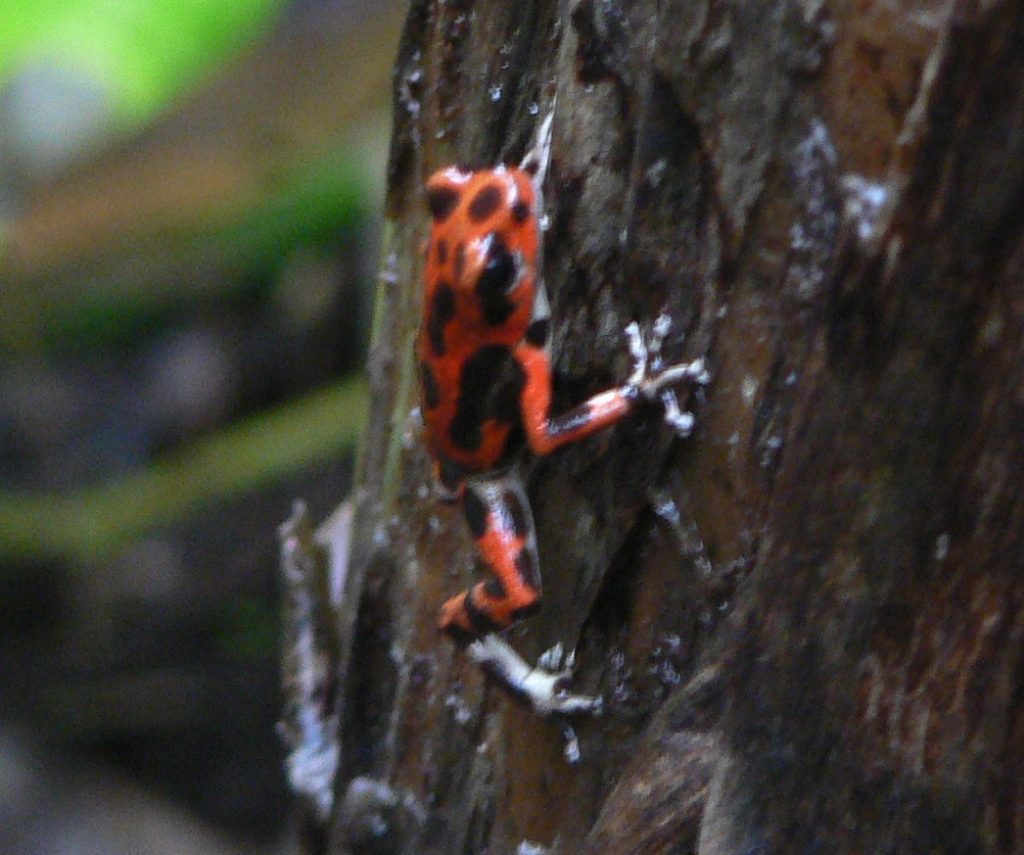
[190, 197]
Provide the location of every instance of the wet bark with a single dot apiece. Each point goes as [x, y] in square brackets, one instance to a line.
[805, 619]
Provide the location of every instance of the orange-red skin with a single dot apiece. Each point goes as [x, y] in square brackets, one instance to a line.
[458, 346]
[468, 330]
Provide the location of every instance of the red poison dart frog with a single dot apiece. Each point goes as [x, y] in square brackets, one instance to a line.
[485, 383]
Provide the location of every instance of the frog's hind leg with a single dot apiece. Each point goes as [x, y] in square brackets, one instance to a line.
[500, 521]
[499, 518]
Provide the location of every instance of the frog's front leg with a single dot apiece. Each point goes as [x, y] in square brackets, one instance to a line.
[650, 377]
[500, 521]
[649, 380]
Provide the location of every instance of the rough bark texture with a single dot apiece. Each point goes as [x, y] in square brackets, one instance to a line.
[806, 619]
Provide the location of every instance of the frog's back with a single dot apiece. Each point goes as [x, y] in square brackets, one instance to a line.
[480, 281]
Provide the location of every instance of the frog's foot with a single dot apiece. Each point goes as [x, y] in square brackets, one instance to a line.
[651, 379]
[543, 686]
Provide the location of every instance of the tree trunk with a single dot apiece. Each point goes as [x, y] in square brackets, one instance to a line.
[805, 620]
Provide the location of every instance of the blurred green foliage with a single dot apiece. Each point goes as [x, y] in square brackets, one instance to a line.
[142, 52]
[93, 521]
[309, 203]
[115, 292]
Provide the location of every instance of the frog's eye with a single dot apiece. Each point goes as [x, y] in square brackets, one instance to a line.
[441, 199]
[499, 273]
